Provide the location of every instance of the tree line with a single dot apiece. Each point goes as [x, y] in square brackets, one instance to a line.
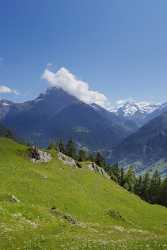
[150, 187]
[70, 148]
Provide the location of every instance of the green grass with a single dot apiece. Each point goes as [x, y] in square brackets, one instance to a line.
[65, 208]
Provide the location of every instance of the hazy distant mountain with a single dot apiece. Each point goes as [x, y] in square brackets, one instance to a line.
[4, 132]
[56, 114]
[146, 148]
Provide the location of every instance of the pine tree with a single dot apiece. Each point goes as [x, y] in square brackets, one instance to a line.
[163, 193]
[145, 187]
[61, 147]
[82, 155]
[116, 172]
[91, 157]
[122, 177]
[155, 187]
[130, 179]
[71, 149]
[138, 186]
[99, 160]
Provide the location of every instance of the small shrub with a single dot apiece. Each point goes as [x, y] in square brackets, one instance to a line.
[70, 219]
[114, 214]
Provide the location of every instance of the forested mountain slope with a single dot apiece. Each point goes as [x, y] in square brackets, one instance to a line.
[146, 148]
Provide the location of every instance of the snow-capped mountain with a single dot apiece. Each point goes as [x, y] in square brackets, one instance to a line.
[131, 108]
[139, 112]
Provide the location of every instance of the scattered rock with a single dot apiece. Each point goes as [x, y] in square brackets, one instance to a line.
[93, 167]
[67, 160]
[119, 228]
[44, 177]
[13, 199]
[70, 219]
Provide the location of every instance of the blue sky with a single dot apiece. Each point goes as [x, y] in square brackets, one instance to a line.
[119, 47]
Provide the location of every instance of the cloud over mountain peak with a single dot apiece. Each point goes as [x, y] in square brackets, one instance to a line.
[64, 79]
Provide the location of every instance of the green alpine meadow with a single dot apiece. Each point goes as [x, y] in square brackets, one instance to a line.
[54, 206]
[83, 125]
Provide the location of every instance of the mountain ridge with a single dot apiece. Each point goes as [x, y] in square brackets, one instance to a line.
[35, 121]
[146, 148]
[138, 112]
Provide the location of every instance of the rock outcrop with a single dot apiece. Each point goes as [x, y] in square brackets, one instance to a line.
[67, 160]
[93, 167]
[39, 156]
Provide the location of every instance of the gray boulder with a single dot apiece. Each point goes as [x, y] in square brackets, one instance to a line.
[95, 168]
[39, 156]
[67, 160]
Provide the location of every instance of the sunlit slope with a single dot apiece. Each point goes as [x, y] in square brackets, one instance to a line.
[51, 206]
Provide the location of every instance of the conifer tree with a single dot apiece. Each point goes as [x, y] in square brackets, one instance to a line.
[99, 160]
[71, 149]
[116, 172]
[155, 187]
[61, 147]
[130, 179]
[90, 157]
[138, 188]
[122, 177]
[145, 189]
[82, 155]
[163, 193]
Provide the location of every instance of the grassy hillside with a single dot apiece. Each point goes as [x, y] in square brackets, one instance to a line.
[52, 206]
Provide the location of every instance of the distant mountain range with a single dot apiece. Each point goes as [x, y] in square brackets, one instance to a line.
[4, 132]
[130, 133]
[146, 148]
[56, 114]
[138, 112]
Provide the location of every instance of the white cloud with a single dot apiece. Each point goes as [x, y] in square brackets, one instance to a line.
[64, 79]
[7, 90]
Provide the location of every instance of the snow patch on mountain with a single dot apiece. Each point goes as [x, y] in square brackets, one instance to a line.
[4, 102]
